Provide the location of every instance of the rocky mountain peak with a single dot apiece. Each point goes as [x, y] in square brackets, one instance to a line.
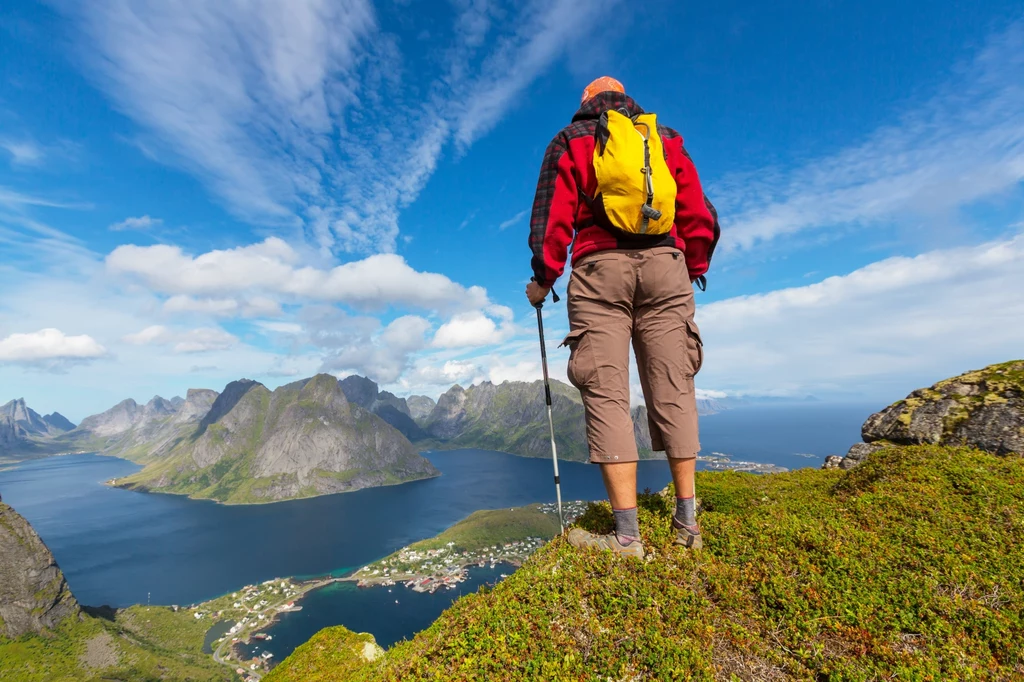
[34, 596]
[227, 400]
[27, 418]
[58, 422]
[420, 406]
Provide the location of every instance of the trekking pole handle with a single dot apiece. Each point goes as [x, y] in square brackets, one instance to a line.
[554, 295]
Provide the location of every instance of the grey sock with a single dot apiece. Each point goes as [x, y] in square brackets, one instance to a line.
[627, 528]
[685, 512]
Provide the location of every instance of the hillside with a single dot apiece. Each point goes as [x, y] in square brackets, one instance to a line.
[46, 637]
[300, 440]
[512, 417]
[897, 569]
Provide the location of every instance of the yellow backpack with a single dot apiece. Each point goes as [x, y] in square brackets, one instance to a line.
[636, 192]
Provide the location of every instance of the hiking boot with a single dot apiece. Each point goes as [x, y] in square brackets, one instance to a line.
[687, 536]
[582, 539]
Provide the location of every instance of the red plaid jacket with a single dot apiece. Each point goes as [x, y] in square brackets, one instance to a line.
[561, 218]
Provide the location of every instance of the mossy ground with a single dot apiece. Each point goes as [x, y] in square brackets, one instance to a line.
[145, 643]
[907, 567]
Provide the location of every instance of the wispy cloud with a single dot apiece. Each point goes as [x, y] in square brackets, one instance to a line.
[23, 152]
[964, 144]
[514, 220]
[277, 106]
[138, 223]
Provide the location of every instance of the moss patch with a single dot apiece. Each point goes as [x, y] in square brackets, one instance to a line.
[898, 569]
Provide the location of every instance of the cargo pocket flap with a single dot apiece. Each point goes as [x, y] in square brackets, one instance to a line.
[572, 337]
[691, 328]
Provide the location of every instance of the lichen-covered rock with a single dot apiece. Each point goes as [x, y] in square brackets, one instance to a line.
[33, 594]
[982, 409]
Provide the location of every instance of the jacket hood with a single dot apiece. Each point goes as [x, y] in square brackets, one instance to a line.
[600, 103]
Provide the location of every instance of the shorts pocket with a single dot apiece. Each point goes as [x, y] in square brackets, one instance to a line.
[694, 348]
[582, 370]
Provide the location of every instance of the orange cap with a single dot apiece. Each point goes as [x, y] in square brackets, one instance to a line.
[602, 84]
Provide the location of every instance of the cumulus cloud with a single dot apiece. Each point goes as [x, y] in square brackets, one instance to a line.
[49, 347]
[139, 223]
[899, 322]
[966, 143]
[190, 341]
[382, 355]
[258, 306]
[474, 328]
[273, 267]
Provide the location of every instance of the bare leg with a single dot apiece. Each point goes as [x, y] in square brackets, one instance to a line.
[620, 482]
[683, 471]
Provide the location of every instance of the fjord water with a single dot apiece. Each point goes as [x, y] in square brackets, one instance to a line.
[120, 547]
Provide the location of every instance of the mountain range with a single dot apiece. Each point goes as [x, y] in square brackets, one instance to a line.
[311, 437]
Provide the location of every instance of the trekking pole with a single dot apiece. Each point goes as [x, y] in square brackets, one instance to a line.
[547, 399]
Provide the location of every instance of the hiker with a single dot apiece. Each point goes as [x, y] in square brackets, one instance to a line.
[621, 189]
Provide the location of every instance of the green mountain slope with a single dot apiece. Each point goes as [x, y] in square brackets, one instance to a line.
[46, 637]
[512, 417]
[902, 568]
[301, 440]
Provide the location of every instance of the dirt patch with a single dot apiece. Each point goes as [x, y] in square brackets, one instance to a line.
[100, 652]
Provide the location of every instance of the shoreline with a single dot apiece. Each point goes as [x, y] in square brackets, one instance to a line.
[139, 488]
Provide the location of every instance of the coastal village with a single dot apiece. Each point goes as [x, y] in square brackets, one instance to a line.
[424, 569]
[245, 613]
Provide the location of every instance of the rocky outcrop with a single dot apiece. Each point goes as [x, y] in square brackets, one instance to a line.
[34, 596]
[512, 417]
[387, 406]
[983, 409]
[420, 407]
[300, 440]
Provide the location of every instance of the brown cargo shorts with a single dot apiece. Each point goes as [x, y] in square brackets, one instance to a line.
[644, 296]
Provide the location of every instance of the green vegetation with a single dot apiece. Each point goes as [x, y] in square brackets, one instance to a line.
[331, 654]
[494, 526]
[905, 567]
[141, 643]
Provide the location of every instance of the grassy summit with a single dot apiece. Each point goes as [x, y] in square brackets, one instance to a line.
[906, 567]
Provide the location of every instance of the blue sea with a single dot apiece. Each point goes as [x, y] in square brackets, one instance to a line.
[119, 547]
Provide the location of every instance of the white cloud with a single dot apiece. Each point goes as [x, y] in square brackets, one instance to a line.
[545, 31]
[272, 266]
[277, 106]
[191, 341]
[965, 144]
[139, 223]
[258, 306]
[514, 220]
[47, 346]
[474, 328]
[900, 322]
[23, 152]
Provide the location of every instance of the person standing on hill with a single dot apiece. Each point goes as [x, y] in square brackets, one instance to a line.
[623, 192]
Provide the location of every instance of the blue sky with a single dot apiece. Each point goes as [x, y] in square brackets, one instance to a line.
[195, 192]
